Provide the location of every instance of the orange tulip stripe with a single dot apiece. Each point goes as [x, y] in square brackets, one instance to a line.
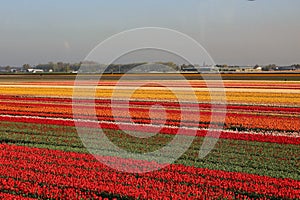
[241, 117]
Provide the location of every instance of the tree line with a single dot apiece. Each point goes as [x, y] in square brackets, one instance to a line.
[90, 66]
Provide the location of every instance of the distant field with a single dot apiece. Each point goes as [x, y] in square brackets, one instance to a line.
[165, 76]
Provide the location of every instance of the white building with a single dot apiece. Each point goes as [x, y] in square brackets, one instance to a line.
[35, 70]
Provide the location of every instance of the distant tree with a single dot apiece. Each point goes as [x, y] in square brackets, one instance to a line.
[7, 68]
[269, 67]
[75, 67]
[222, 66]
[169, 64]
[60, 67]
[67, 67]
[26, 67]
[49, 66]
[297, 66]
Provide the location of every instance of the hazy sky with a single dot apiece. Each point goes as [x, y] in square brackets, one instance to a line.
[232, 31]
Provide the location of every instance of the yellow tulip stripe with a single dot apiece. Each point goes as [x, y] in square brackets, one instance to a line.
[263, 97]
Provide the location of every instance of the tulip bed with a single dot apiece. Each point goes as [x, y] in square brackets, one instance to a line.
[257, 155]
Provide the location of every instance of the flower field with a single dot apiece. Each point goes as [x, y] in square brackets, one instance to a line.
[256, 156]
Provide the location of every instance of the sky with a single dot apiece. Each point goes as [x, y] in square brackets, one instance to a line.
[236, 32]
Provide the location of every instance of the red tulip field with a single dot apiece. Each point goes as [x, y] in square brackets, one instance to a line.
[256, 155]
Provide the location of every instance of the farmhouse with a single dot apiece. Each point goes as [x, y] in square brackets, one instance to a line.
[35, 70]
